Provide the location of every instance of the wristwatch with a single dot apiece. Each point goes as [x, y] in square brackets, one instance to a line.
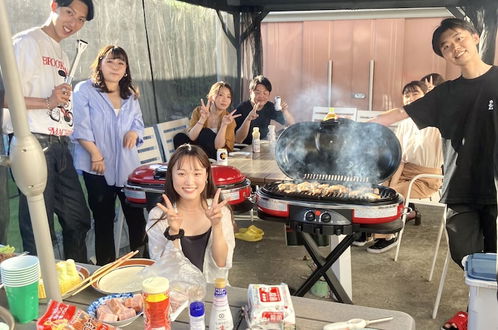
[180, 234]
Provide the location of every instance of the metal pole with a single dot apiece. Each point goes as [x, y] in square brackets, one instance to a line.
[370, 84]
[27, 160]
[329, 83]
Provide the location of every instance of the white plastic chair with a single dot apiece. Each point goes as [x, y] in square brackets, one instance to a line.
[320, 112]
[149, 152]
[167, 130]
[431, 201]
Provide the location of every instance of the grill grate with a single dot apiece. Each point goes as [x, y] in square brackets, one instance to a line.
[385, 193]
[335, 178]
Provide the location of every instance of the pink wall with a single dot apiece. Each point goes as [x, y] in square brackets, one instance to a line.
[295, 57]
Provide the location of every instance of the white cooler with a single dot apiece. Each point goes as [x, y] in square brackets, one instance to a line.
[480, 276]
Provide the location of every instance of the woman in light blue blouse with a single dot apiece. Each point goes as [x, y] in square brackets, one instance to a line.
[108, 126]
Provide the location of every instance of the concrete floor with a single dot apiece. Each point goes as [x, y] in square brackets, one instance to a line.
[378, 281]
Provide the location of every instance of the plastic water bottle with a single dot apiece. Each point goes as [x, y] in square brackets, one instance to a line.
[256, 142]
[278, 103]
[272, 136]
[197, 316]
[221, 316]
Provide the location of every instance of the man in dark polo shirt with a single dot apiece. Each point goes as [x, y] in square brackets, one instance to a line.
[259, 111]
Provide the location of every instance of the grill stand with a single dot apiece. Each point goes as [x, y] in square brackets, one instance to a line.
[323, 267]
[324, 264]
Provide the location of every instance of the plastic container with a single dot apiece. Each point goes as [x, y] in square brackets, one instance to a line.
[480, 276]
[156, 303]
[197, 321]
[221, 315]
[256, 142]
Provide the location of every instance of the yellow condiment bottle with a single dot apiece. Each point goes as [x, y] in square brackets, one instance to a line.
[330, 115]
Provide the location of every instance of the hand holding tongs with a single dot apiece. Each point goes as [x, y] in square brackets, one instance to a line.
[354, 324]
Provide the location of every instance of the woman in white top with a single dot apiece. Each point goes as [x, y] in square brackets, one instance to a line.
[192, 216]
[421, 153]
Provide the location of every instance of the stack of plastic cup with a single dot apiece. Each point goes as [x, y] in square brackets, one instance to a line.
[20, 276]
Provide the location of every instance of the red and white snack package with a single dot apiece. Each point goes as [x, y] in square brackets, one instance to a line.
[63, 316]
[270, 307]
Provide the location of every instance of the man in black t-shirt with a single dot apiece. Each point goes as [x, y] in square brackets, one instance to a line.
[259, 111]
[464, 111]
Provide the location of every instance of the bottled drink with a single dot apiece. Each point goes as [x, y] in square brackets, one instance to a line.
[272, 136]
[197, 316]
[330, 115]
[278, 103]
[256, 142]
[156, 303]
[221, 316]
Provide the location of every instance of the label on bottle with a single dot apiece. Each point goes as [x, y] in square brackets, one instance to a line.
[156, 311]
[221, 316]
[256, 145]
[222, 156]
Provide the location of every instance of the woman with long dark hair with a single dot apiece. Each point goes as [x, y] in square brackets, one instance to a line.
[192, 215]
[108, 126]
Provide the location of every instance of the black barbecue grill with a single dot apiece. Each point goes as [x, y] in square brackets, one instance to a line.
[337, 167]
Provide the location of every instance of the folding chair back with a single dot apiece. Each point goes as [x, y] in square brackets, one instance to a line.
[149, 152]
[167, 130]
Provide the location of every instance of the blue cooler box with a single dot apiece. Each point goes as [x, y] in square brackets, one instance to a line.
[480, 276]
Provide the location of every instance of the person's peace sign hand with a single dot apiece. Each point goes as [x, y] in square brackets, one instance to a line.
[205, 110]
[254, 112]
[213, 213]
[175, 219]
[429, 83]
[229, 118]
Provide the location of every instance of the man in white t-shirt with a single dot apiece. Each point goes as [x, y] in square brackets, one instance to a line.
[42, 65]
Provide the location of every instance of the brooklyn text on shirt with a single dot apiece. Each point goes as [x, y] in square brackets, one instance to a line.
[50, 61]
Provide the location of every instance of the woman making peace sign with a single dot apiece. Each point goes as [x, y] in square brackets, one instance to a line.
[192, 216]
[211, 125]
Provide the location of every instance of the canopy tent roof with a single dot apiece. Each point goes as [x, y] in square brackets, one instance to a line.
[298, 5]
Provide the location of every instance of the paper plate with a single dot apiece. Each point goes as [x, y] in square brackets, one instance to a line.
[124, 278]
[92, 309]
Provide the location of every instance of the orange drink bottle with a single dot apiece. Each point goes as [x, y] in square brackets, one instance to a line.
[156, 303]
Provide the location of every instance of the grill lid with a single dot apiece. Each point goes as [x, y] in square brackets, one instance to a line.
[155, 174]
[339, 150]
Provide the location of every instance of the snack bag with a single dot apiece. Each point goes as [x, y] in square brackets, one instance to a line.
[270, 307]
[63, 316]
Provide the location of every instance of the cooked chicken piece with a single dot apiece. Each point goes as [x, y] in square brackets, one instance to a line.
[371, 196]
[338, 189]
[286, 186]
